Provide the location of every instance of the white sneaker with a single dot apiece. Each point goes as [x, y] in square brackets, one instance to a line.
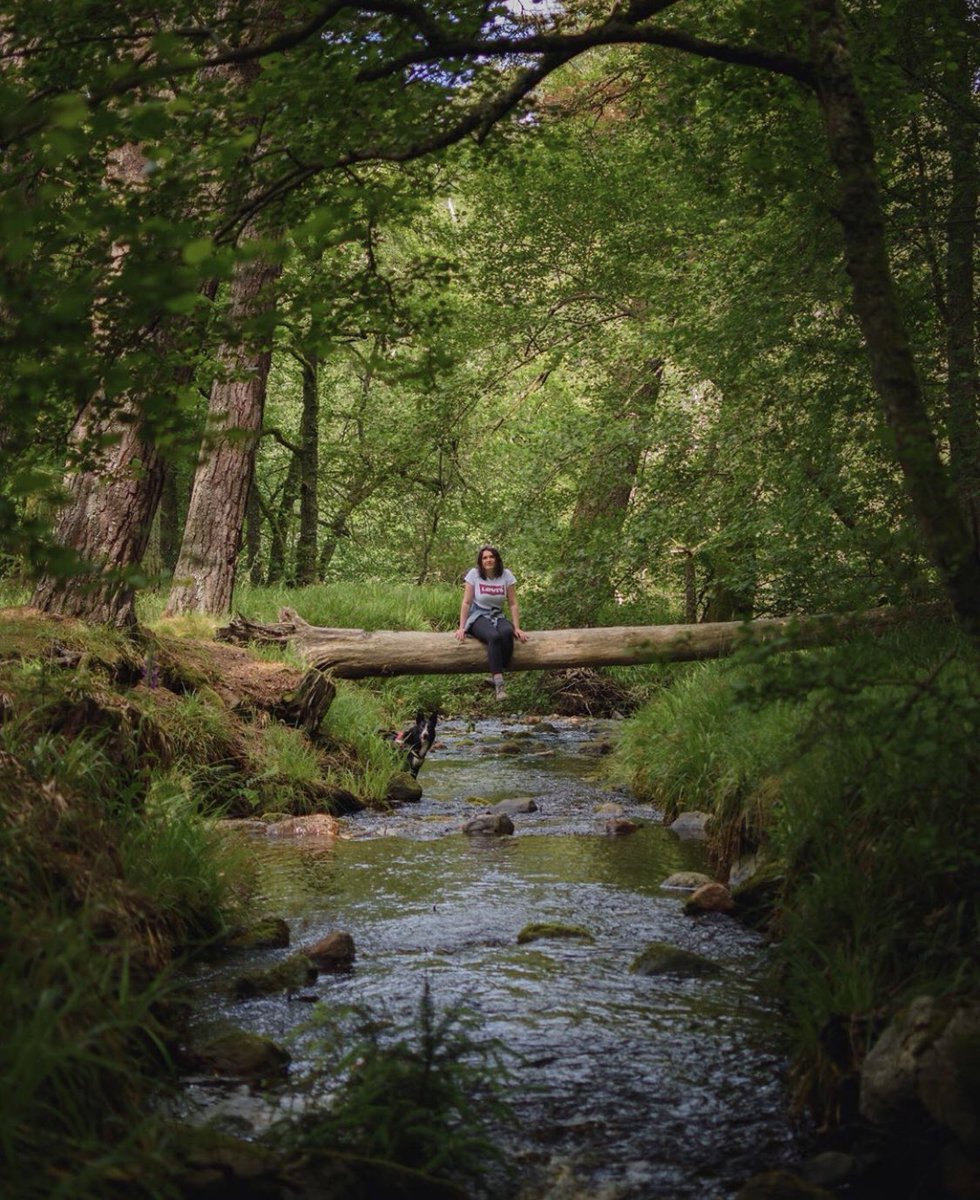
[500, 690]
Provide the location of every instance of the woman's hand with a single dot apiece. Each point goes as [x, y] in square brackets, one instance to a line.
[520, 635]
[461, 634]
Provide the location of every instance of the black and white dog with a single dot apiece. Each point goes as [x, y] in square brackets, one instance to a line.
[415, 742]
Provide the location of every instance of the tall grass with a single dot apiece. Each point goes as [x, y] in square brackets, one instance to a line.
[857, 767]
[102, 881]
[413, 1109]
[366, 604]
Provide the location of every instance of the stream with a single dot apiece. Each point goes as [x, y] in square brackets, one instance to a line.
[628, 1087]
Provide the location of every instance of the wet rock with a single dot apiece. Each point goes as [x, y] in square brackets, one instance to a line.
[686, 881]
[620, 827]
[660, 958]
[926, 1064]
[333, 952]
[489, 825]
[539, 930]
[236, 1054]
[599, 748]
[780, 1185]
[403, 789]
[709, 897]
[339, 801]
[829, 1169]
[516, 805]
[209, 1163]
[758, 898]
[289, 975]
[319, 825]
[610, 809]
[691, 826]
[742, 869]
[271, 933]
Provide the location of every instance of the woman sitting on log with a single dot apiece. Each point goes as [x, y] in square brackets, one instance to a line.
[481, 614]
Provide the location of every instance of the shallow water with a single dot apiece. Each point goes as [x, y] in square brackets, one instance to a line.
[627, 1087]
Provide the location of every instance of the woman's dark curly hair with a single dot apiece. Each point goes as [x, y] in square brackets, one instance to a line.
[499, 562]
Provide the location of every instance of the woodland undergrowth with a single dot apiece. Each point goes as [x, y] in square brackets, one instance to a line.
[119, 755]
[853, 771]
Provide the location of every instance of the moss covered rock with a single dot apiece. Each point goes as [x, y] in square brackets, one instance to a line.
[539, 930]
[661, 958]
[289, 975]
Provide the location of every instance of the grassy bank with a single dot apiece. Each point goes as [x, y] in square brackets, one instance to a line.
[117, 755]
[856, 769]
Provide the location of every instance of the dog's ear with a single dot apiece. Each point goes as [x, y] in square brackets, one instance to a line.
[420, 717]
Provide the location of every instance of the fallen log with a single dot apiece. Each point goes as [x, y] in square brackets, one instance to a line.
[359, 653]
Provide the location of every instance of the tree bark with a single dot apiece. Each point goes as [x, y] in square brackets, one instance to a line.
[106, 522]
[944, 530]
[961, 230]
[204, 577]
[358, 654]
[309, 440]
[279, 525]
[108, 516]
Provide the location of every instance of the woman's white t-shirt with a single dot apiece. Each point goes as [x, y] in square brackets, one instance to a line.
[489, 595]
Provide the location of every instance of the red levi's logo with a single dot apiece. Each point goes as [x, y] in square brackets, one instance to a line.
[492, 589]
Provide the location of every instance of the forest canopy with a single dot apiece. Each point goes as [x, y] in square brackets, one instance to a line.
[675, 300]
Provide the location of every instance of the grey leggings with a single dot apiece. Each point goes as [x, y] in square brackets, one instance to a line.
[499, 639]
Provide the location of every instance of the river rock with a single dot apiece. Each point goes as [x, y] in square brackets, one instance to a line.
[757, 900]
[829, 1168]
[539, 930]
[514, 806]
[319, 825]
[660, 958]
[333, 952]
[599, 748]
[927, 1061]
[742, 869]
[620, 826]
[691, 826]
[489, 825]
[287, 976]
[403, 789]
[780, 1185]
[235, 1054]
[686, 881]
[271, 933]
[207, 1162]
[709, 897]
[609, 808]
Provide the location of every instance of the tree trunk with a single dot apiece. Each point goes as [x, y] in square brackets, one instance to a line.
[944, 531]
[204, 577]
[309, 440]
[169, 519]
[253, 534]
[106, 522]
[961, 228]
[603, 501]
[112, 500]
[279, 525]
[357, 654]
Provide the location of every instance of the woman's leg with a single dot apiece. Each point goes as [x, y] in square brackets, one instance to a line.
[506, 632]
[485, 631]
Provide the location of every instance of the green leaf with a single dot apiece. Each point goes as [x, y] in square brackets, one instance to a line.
[198, 251]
